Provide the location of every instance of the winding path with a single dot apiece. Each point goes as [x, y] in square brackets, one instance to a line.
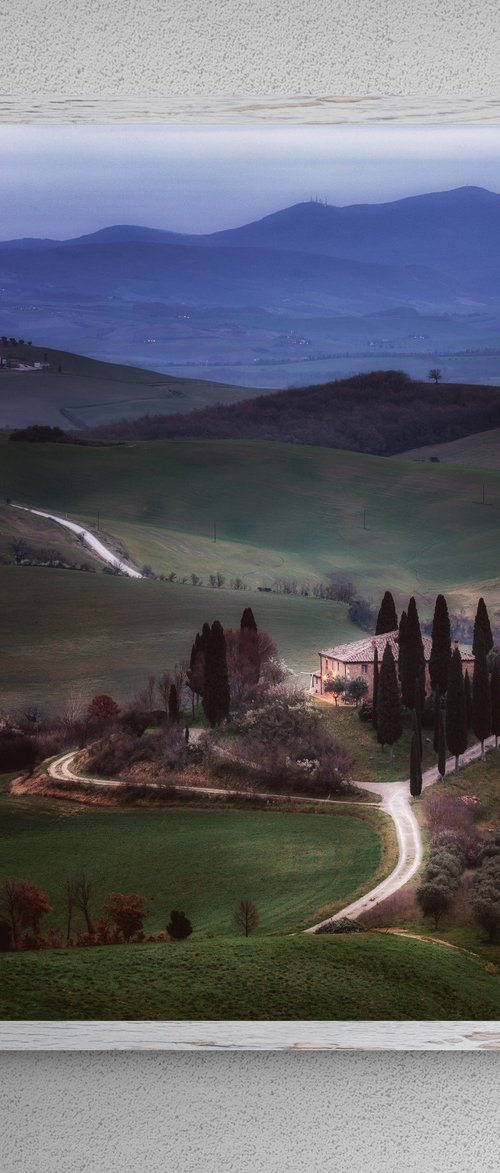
[90, 540]
[395, 801]
[395, 796]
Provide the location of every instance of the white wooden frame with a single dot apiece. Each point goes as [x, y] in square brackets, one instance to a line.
[249, 1035]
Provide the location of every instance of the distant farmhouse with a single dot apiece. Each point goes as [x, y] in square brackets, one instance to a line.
[9, 363]
[357, 659]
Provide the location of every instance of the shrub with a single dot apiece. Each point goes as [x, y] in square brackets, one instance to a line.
[118, 752]
[365, 711]
[486, 897]
[179, 927]
[451, 824]
[435, 897]
[128, 912]
[287, 742]
[440, 881]
[17, 751]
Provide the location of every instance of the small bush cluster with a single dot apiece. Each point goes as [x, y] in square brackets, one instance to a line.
[486, 892]
[284, 740]
[440, 881]
[451, 824]
[21, 553]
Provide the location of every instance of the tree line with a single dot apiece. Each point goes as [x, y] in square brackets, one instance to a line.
[378, 412]
[24, 905]
[458, 704]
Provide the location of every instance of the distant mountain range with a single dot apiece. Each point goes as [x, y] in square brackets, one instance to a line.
[430, 249]
[308, 293]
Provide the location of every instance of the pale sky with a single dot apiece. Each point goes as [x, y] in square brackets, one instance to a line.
[60, 181]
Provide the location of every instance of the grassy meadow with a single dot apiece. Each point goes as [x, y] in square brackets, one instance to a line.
[67, 631]
[88, 392]
[281, 511]
[296, 867]
[370, 976]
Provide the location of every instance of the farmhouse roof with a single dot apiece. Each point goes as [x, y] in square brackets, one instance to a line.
[362, 651]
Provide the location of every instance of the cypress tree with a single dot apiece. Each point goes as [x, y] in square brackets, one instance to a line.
[248, 620]
[403, 625]
[468, 699]
[415, 768]
[417, 711]
[413, 666]
[196, 671]
[216, 696]
[173, 705]
[456, 717]
[482, 623]
[375, 688]
[481, 695]
[495, 703]
[389, 722]
[248, 648]
[387, 619]
[439, 663]
[437, 719]
[442, 745]
[417, 719]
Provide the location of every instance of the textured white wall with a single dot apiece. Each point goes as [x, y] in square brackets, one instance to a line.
[445, 47]
[212, 1113]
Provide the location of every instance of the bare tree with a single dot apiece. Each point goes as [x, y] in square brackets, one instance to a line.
[10, 910]
[435, 374]
[83, 891]
[20, 549]
[75, 707]
[163, 685]
[246, 916]
[180, 678]
[70, 894]
[145, 700]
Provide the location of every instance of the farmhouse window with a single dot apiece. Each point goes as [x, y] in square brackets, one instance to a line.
[364, 668]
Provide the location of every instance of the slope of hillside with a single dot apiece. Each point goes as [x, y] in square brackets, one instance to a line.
[141, 270]
[380, 412]
[478, 450]
[91, 633]
[281, 512]
[366, 976]
[86, 392]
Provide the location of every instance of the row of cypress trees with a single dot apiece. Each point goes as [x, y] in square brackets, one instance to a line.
[476, 708]
[208, 675]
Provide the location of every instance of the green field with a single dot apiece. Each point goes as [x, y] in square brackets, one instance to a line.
[285, 510]
[65, 631]
[88, 392]
[294, 866]
[370, 976]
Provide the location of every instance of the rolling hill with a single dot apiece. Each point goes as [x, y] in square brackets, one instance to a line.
[380, 412]
[282, 512]
[86, 392]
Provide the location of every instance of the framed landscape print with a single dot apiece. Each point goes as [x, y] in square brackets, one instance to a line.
[249, 533]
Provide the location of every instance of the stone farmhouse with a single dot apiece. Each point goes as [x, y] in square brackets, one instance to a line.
[357, 659]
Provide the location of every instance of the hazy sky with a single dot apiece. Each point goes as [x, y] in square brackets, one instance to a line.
[60, 181]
